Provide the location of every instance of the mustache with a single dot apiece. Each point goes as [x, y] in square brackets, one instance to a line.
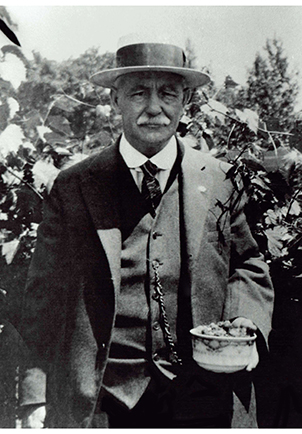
[162, 120]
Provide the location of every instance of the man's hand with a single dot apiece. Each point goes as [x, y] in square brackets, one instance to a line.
[34, 417]
[245, 322]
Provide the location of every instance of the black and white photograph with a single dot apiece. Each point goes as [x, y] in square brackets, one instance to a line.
[150, 216]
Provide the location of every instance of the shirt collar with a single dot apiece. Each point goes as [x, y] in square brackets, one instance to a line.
[164, 159]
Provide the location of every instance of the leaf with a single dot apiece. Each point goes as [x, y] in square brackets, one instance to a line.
[13, 107]
[262, 128]
[62, 151]
[229, 83]
[252, 120]
[295, 208]
[231, 172]
[16, 51]
[208, 132]
[294, 157]
[59, 124]
[210, 110]
[273, 217]
[185, 120]
[76, 158]
[28, 145]
[10, 139]
[216, 105]
[249, 117]
[106, 91]
[253, 163]
[33, 230]
[54, 138]
[66, 104]
[103, 138]
[12, 69]
[295, 139]
[44, 173]
[42, 130]
[103, 110]
[10, 179]
[275, 238]
[33, 119]
[9, 250]
[273, 124]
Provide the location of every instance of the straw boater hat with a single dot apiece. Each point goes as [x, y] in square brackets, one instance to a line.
[137, 54]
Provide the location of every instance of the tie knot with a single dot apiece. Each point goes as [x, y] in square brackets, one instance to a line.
[149, 168]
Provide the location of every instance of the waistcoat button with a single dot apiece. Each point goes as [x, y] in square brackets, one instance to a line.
[156, 326]
[156, 234]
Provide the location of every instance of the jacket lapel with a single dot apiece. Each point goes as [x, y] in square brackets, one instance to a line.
[101, 191]
[99, 186]
[111, 241]
[197, 186]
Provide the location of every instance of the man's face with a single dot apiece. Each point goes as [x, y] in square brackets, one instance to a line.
[151, 105]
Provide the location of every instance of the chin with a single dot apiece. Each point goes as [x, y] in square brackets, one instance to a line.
[156, 137]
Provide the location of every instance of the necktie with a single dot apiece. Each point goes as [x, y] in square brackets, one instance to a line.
[150, 186]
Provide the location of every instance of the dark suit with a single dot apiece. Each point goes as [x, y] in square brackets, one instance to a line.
[75, 272]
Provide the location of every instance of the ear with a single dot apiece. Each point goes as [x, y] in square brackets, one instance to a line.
[114, 100]
[187, 96]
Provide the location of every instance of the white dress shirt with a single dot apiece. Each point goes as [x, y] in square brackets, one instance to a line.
[164, 160]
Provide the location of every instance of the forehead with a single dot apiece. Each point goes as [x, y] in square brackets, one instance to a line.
[148, 79]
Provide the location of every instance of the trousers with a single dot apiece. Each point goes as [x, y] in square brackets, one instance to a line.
[195, 399]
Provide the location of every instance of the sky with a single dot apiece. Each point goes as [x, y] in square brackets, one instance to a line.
[225, 37]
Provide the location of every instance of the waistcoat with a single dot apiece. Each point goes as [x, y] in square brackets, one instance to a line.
[137, 335]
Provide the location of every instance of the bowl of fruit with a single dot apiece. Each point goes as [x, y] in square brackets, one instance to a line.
[221, 347]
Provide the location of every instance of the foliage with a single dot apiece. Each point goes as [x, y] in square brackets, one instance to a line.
[235, 124]
[272, 88]
[270, 178]
[51, 117]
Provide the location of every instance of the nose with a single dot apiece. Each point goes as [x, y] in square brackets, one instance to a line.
[154, 104]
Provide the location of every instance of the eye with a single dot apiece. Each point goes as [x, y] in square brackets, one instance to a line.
[169, 96]
[172, 94]
[139, 94]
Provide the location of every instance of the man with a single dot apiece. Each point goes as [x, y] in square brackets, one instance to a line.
[130, 256]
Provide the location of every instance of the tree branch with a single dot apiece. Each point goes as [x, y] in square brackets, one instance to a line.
[24, 182]
[76, 100]
[244, 123]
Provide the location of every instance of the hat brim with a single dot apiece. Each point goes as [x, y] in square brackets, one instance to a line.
[193, 77]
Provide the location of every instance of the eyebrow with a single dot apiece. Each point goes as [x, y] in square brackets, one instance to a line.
[138, 87]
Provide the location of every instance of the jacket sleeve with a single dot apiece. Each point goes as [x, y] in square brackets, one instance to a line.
[249, 292]
[43, 301]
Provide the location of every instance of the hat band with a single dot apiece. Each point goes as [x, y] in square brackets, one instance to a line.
[150, 55]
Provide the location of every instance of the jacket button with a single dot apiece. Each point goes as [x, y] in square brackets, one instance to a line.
[103, 345]
[156, 234]
[156, 326]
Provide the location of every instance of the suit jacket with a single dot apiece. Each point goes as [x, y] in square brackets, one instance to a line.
[74, 277]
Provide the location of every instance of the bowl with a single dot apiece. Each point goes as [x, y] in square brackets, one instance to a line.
[221, 353]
